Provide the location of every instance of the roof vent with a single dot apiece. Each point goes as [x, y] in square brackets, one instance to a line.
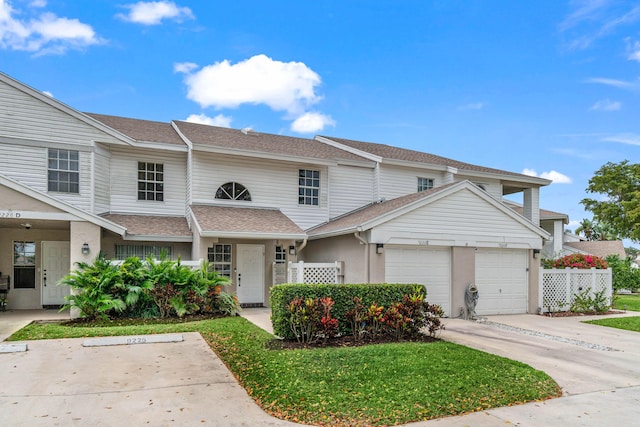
[249, 131]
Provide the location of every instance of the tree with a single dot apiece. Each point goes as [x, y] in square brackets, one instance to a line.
[619, 206]
[586, 229]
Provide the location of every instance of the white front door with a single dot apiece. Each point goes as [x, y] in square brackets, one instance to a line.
[250, 274]
[55, 265]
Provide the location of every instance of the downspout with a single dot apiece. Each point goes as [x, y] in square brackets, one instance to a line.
[302, 246]
[366, 254]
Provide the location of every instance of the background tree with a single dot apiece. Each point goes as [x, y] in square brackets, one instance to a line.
[619, 204]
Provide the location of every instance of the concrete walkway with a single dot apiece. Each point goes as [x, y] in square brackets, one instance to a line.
[60, 382]
[14, 320]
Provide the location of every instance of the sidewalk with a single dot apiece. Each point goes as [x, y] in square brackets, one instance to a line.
[14, 320]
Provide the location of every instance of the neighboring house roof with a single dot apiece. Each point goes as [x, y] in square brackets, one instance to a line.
[601, 248]
[61, 205]
[396, 153]
[222, 221]
[141, 130]
[251, 141]
[151, 227]
[544, 213]
[376, 213]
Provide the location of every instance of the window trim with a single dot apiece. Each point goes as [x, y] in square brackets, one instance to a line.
[156, 182]
[421, 183]
[72, 170]
[238, 192]
[308, 187]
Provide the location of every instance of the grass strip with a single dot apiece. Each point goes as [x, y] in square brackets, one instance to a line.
[627, 302]
[626, 323]
[375, 385]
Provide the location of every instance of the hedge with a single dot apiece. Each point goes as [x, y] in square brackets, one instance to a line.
[381, 293]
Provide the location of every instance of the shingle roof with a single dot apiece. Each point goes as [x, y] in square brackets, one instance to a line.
[225, 219]
[544, 213]
[601, 248]
[397, 153]
[262, 142]
[141, 130]
[150, 225]
[360, 216]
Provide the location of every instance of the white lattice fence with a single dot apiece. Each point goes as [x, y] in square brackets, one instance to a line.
[302, 272]
[559, 287]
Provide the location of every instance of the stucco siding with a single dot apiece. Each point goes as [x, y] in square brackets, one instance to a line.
[124, 181]
[270, 183]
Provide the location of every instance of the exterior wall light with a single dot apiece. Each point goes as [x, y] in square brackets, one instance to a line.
[292, 250]
[536, 252]
[85, 249]
[379, 248]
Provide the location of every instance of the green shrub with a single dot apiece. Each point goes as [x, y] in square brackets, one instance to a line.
[342, 296]
[584, 302]
[579, 261]
[624, 276]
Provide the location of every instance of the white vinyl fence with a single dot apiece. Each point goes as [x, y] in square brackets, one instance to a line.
[310, 272]
[559, 287]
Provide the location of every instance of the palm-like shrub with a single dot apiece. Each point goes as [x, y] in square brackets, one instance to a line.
[94, 287]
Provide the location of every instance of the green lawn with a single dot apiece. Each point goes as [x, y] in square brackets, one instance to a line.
[371, 385]
[632, 302]
[628, 323]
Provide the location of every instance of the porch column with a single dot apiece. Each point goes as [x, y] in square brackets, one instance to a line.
[531, 205]
[82, 232]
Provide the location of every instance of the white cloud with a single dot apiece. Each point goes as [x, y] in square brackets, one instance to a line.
[152, 13]
[219, 120]
[311, 122]
[42, 33]
[624, 138]
[473, 106]
[634, 50]
[554, 176]
[283, 86]
[606, 105]
[620, 84]
[38, 3]
[49, 94]
[184, 67]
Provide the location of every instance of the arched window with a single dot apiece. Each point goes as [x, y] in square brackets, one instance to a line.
[233, 191]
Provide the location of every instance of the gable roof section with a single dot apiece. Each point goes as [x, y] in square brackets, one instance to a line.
[379, 213]
[388, 152]
[63, 206]
[141, 130]
[601, 248]
[234, 141]
[153, 227]
[64, 108]
[236, 222]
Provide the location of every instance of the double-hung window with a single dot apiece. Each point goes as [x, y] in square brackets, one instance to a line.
[150, 181]
[425, 183]
[308, 187]
[63, 171]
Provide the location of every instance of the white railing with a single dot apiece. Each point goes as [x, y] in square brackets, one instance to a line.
[559, 287]
[310, 272]
[192, 264]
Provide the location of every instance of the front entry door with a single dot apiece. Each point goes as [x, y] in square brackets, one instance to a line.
[250, 274]
[55, 265]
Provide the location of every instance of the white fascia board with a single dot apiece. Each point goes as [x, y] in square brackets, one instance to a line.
[348, 149]
[186, 140]
[333, 233]
[64, 108]
[263, 155]
[160, 146]
[506, 178]
[156, 238]
[253, 235]
[63, 206]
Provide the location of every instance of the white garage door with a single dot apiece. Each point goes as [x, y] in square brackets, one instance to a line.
[427, 266]
[501, 277]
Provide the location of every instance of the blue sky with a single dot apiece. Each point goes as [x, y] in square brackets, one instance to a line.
[548, 87]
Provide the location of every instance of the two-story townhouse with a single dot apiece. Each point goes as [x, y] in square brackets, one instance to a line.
[249, 202]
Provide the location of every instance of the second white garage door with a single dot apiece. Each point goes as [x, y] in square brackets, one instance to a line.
[427, 266]
[501, 277]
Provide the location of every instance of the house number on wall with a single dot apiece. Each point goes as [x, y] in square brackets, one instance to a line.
[10, 214]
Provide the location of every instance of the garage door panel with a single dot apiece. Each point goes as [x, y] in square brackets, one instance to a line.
[427, 266]
[502, 281]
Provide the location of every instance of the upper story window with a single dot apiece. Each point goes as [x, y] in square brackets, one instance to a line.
[63, 171]
[425, 183]
[233, 191]
[150, 181]
[308, 187]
